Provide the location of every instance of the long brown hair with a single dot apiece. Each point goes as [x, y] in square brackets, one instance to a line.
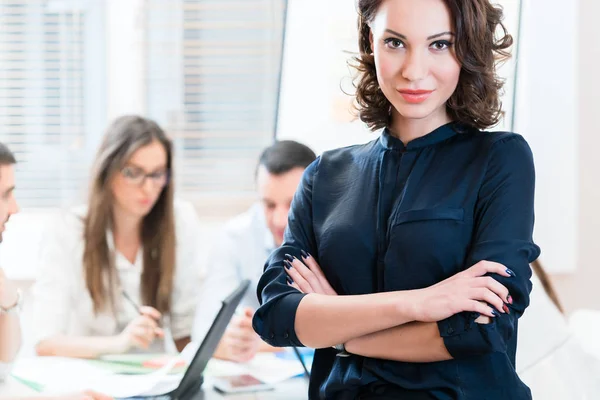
[126, 135]
[540, 272]
[476, 100]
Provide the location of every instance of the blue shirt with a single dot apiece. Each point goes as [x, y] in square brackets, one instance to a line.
[385, 217]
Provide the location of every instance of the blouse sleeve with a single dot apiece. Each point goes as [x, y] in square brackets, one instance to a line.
[504, 220]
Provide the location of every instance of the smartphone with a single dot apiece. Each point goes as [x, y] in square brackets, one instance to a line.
[240, 383]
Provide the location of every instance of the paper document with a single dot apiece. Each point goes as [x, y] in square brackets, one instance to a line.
[265, 366]
[45, 370]
[58, 375]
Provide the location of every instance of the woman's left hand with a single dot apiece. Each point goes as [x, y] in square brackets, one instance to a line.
[307, 276]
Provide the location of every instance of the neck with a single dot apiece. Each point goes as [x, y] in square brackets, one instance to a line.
[126, 227]
[408, 129]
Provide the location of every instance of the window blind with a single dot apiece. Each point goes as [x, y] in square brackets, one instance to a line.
[212, 81]
[41, 99]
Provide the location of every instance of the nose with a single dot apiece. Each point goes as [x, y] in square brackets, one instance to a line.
[14, 207]
[415, 66]
[148, 186]
[280, 217]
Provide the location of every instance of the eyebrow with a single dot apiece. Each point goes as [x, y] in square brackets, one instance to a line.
[130, 164]
[428, 38]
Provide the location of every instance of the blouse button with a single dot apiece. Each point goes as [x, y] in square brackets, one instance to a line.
[450, 330]
[285, 335]
[272, 335]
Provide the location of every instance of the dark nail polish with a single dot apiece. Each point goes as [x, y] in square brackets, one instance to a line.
[506, 309]
[304, 254]
[494, 313]
[509, 299]
[287, 264]
[289, 258]
[289, 280]
[510, 272]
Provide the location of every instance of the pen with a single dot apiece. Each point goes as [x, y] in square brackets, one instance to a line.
[134, 304]
[131, 301]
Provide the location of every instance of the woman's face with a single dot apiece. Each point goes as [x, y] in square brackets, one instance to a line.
[138, 185]
[417, 70]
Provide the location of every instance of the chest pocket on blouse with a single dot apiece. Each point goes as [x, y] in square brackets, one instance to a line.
[425, 246]
[428, 214]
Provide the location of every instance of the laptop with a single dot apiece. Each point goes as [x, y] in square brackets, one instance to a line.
[192, 379]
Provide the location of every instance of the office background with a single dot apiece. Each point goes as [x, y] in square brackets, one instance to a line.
[225, 77]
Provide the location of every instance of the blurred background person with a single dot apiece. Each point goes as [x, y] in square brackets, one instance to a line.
[119, 273]
[244, 244]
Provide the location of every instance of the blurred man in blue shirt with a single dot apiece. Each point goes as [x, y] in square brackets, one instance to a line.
[244, 244]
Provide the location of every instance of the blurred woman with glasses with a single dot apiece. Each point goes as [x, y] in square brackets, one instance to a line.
[121, 273]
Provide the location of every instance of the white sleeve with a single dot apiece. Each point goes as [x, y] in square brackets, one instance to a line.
[221, 279]
[189, 271]
[52, 292]
[5, 369]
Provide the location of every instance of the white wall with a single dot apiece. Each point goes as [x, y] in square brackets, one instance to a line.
[315, 111]
[580, 289]
[547, 101]
[313, 108]
[125, 57]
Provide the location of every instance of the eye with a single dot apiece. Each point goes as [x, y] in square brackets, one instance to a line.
[129, 172]
[393, 43]
[269, 205]
[441, 45]
[158, 174]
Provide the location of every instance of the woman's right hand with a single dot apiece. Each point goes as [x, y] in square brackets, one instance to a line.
[141, 331]
[468, 290]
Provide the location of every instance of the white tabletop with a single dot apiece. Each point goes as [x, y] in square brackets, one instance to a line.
[293, 389]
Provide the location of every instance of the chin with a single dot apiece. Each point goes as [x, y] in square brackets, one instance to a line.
[278, 240]
[415, 111]
[140, 212]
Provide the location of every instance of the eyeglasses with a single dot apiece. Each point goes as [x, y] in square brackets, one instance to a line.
[137, 177]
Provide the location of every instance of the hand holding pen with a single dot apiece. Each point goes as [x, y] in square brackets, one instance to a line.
[142, 330]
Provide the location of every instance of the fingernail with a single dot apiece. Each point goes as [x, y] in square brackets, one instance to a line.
[509, 299]
[289, 280]
[494, 313]
[505, 308]
[289, 258]
[510, 272]
[304, 254]
[287, 264]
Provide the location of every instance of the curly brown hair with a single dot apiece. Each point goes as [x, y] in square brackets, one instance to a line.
[476, 100]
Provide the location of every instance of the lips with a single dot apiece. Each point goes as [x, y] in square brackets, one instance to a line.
[415, 96]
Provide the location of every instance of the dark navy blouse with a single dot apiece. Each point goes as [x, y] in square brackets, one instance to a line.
[385, 217]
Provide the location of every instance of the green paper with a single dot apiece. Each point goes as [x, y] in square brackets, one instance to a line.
[32, 385]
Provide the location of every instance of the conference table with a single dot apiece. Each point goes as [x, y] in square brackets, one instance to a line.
[292, 389]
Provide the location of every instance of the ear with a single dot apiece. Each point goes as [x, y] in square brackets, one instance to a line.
[371, 40]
